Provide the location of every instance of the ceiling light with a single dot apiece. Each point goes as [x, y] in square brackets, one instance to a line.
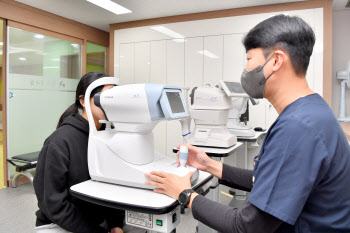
[208, 54]
[182, 40]
[1, 43]
[22, 58]
[168, 32]
[38, 36]
[110, 6]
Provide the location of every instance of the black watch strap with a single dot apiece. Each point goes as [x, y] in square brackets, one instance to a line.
[184, 197]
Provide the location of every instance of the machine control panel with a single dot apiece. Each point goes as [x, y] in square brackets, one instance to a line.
[164, 223]
[140, 219]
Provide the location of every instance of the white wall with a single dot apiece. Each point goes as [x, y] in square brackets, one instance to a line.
[179, 62]
[341, 55]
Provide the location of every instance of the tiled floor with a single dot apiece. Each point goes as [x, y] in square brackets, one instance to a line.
[18, 206]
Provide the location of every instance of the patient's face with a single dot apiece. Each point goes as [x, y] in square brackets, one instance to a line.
[96, 111]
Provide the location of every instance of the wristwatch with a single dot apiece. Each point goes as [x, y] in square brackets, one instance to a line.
[184, 197]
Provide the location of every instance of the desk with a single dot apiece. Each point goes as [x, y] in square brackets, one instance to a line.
[135, 199]
[218, 154]
[242, 161]
[216, 151]
[130, 198]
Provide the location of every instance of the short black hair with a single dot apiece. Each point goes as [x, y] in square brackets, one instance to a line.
[289, 33]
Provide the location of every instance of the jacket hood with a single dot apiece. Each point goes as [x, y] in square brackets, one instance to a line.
[78, 122]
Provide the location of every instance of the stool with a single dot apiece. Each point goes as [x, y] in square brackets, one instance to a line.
[30, 160]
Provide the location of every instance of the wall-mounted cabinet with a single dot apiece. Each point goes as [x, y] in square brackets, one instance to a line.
[195, 53]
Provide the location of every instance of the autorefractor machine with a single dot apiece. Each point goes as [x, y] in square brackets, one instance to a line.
[216, 112]
[120, 155]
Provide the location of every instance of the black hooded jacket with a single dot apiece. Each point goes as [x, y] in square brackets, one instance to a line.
[62, 163]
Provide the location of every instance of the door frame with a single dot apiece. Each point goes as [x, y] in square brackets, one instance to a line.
[3, 100]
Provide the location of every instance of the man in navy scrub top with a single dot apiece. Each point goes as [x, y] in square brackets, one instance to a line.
[301, 177]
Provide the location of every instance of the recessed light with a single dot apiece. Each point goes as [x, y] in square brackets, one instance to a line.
[22, 58]
[38, 36]
[179, 40]
[208, 54]
[111, 6]
[168, 32]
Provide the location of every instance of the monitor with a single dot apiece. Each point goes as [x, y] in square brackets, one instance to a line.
[172, 104]
[233, 89]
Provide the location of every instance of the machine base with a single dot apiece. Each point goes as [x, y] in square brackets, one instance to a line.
[344, 119]
[242, 132]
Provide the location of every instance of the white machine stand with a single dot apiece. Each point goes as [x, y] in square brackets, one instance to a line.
[240, 102]
[143, 207]
[344, 75]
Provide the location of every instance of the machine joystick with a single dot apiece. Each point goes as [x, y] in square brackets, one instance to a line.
[183, 156]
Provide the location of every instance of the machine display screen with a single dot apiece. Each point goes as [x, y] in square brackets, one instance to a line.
[234, 87]
[175, 102]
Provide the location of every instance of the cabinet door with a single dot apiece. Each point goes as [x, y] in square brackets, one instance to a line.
[213, 59]
[194, 62]
[234, 55]
[271, 114]
[257, 114]
[158, 62]
[142, 62]
[127, 63]
[175, 77]
[158, 75]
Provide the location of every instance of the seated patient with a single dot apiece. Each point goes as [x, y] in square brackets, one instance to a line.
[63, 163]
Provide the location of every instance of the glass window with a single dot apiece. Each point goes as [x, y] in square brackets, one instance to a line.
[42, 76]
[95, 57]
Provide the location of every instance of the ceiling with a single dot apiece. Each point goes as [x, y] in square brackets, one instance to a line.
[340, 4]
[90, 14]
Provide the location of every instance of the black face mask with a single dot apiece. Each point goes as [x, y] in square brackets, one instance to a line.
[253, 82]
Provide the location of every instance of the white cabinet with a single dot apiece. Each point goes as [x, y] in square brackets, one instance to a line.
[158, 75]
[158, 62]
[175, 63]
[211, 50]
[257, 114]
[271, 114]
[213, 59]
[193, 62]
[175, 77]
[142, 62]
[127, 62]
[234, 55]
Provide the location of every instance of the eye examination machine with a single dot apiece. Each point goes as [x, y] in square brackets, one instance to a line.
[216, 112]
[120, 155]
[124, 154]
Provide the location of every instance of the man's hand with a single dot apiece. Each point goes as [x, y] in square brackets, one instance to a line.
[197, 158]
[116, 230]
[169, 184]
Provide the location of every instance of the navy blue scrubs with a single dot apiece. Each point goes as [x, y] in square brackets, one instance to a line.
[302, 174]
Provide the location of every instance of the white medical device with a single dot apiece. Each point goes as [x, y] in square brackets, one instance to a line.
[123, 154]
[209, 108]
[216, 112]
[344, 75]
[240, 103]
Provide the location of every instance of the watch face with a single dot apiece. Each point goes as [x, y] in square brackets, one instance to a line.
[182, 198]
